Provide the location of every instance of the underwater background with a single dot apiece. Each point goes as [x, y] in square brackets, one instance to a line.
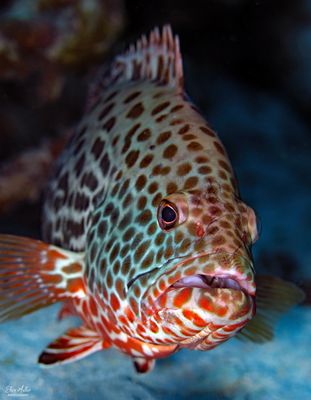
[248, 68]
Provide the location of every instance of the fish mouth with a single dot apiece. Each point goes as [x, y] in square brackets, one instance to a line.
[208, 282]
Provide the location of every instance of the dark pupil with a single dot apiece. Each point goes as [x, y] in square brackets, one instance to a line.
[168, 214]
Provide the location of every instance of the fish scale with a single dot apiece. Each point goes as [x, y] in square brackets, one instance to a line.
[146, 237]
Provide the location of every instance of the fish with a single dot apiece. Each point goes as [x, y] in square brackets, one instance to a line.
[145, 235]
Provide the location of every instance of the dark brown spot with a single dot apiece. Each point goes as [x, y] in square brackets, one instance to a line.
[58, 203]
[79, 165]
[205, 170]
[224, 165]
[153, 187]
[176, 122]
[191, 182]
[207, 131]
[105, 164]
[158, 95]
[159, 238]
[128, 200]
[135, 111]
[184, 129]
[63, 182]
[144, 135]
[108, 209]
[131, 158]
[109, 279]
[161, 118]
[81, 202]
[140, 182]
[114, 217]
[184, 169]
[126, 220]
[160, 108]
[141, 202]
[156, 200]
[114, 252]
[148, 260]
[202, 160]
[171, 187]
[152, 228]
[194, 146]
[124, 188]
[115, 140]
[116, 267]
[163, 137]
[97, 148]
[78, 146]
[170, 151]
[144, 217]
[219, 148]
[222, 175]
[131, 97]
[109, 124]
[128, 234]
[176, 108]
[112, 95]
[126, 266]
[188, 137]
[105, 111]
[218, 240]
[102, 228]
[131, 132]
[146, 161]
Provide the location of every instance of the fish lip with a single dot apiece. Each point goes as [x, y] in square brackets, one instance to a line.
[205, 281]
[244, 285]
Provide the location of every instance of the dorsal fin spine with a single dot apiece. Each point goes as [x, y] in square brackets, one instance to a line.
[156, 58]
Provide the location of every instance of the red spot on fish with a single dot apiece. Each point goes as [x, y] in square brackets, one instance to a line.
[114, 301]
[182, 297]
[194, 318]
[200, 231]
[153, 327]
[93, 307]
[206, 304]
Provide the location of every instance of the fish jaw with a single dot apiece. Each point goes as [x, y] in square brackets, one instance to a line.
[202, 271]
[196, 297]
[204, 318]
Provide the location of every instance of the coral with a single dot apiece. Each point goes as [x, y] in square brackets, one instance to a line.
[47, 37]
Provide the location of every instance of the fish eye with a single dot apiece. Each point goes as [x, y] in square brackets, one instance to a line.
[167, 215]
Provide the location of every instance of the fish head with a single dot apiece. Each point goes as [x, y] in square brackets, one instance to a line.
[204, 285]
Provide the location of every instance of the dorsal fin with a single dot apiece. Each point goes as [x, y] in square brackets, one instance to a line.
[156, 58]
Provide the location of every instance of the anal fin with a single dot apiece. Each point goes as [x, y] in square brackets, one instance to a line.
[75, 344]
[34, 274]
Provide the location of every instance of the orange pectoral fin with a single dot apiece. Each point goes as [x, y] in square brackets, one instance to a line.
[75, 344]
[34, 275]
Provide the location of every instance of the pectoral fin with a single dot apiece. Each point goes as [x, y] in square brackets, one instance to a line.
[274, 297]
[34, 274]
[75, 344]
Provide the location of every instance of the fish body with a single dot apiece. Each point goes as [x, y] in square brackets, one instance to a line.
[148, 239]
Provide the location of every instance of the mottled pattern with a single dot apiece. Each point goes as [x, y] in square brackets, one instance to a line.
[141, 145]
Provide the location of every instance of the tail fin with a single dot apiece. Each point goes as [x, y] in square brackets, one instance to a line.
[34, 275]
[156, 58]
